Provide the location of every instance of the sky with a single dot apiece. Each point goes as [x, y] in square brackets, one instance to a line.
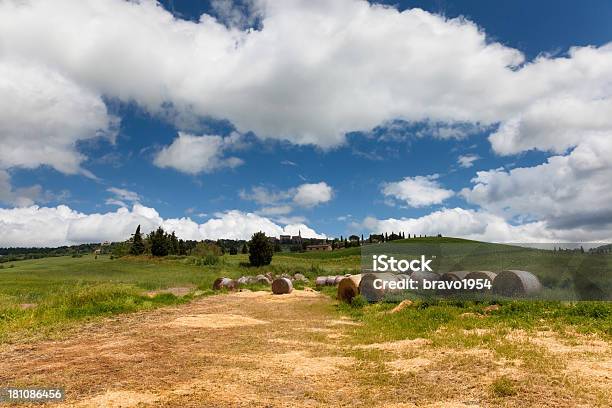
[218, 119]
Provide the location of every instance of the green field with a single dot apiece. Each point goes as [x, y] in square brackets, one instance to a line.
[39, 297]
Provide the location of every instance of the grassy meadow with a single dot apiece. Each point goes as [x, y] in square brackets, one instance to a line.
[39, 297]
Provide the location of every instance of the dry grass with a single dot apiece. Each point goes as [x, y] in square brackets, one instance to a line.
[254, 349]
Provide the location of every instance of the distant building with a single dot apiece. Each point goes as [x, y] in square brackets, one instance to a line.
[285, 239]
[297, 239]
[320, 247]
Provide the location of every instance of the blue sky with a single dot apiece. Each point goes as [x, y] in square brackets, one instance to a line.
[356, 167]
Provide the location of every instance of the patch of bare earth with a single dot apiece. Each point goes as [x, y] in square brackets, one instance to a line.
[254, 349]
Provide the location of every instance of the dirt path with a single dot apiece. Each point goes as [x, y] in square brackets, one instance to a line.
[253, 349]
[244, 349]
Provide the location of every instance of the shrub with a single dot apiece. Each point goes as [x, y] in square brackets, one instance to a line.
[260, 250]
[203, 249]
[209, 259]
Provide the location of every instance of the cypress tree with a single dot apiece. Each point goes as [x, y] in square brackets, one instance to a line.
[138, 246]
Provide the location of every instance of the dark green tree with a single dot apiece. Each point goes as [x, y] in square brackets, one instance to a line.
[245, 249]
[182, 247]
[260, 250]
[233, 250]
[159, 242]
[173, 244]
[138, 246]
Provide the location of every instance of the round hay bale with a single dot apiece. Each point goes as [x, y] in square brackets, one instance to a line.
[454, 276]
[282, 286]
[420, 276]
[482, 275]
[338, 279]
[374, 294]
[331, 281]
[488, 275]
[321, 281]
[224, 283]
[516, 283]
[348, 288]
[262, 280]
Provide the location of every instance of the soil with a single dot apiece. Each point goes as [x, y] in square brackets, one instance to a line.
[255, 349]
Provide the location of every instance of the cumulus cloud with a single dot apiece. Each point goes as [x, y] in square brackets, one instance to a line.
[61, 225]
[483, 226]
[42, 115]
[195, 154]
[467, 160]
[312, 194]
[410, 65]
[567, 191]
[418, 191]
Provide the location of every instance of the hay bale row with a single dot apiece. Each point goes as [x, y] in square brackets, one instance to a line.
[331, 280]
[506, 283]
[267, 280]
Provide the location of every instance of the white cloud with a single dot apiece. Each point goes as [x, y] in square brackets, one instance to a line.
[21, 197]
[195, 154]
[566, 191]
[418, 191]
[483, 226]
[55, 226]
[312, 194]
[305, 195]
[124, 194]
[467, 160]
[121, 197]
[42, 115]
[410, 65]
